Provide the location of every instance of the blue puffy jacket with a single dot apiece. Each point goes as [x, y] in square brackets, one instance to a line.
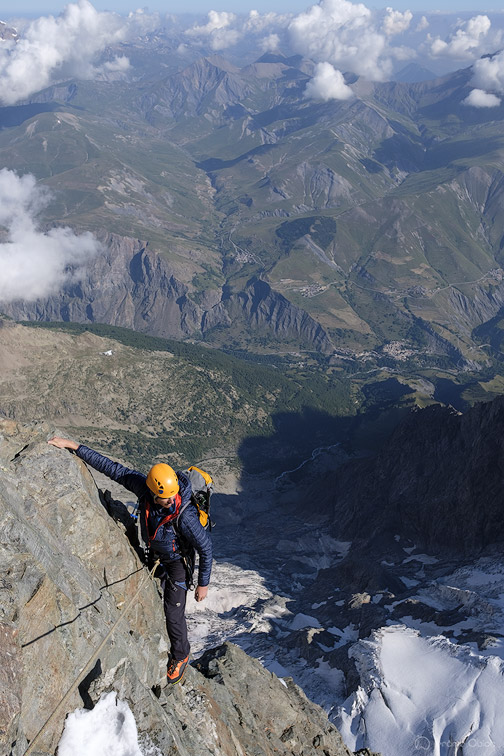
[157, 529]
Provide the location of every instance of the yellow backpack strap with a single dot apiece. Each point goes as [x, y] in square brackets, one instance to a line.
[207, 478]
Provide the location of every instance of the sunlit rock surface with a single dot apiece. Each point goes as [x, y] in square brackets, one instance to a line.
[67, 571]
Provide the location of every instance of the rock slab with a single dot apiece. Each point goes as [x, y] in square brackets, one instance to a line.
[67, 570]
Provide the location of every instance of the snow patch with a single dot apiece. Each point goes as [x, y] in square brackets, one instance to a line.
[276, 668]
[301, 621]
[423, 558]
[238, 606]
[348, 635]
[109, 730]
[408, 582]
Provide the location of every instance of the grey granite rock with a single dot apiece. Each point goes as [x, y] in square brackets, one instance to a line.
[67, 571]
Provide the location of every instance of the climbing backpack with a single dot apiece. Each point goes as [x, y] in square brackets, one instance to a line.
[202, 488]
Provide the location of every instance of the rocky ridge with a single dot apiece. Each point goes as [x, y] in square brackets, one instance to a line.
[133, 286]
[67, 571]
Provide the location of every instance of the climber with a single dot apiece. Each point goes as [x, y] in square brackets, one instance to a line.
[162, 494]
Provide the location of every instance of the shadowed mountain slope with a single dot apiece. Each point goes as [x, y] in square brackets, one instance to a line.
[437, 482]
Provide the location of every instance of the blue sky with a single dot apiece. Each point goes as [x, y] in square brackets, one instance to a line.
[9, 8]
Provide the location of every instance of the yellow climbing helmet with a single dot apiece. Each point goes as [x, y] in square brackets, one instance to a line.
[162, 481]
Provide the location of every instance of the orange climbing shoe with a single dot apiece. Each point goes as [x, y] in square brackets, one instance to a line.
[176, 670]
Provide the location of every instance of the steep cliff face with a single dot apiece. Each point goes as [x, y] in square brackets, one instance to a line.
[132, 286]
[265, 310]
[437, 481]
[128, 285]
[68, 570]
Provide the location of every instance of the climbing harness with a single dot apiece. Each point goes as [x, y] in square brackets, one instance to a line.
[87, 668]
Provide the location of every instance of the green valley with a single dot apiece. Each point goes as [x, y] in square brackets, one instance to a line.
[363, 235]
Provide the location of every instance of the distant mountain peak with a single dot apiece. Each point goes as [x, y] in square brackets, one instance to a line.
[414, 74]
[269, 57]
[219, 62]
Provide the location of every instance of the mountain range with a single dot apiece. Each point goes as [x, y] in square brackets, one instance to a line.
[277, 281]
[364, 227]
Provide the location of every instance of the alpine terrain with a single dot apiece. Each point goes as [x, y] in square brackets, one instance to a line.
[207, 261]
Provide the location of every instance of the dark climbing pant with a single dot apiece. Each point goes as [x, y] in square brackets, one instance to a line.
[174, 608]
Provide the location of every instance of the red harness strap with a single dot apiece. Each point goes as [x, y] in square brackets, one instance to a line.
[166, 519]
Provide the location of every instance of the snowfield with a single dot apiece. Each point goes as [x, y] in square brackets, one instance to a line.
[424, 696]
[420, 692]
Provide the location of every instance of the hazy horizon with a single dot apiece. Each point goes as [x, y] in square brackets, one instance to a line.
[32, 8]
[83, 40]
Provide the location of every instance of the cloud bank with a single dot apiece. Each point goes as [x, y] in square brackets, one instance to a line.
[54, 48]
[328, 84]
[35, 263]
[346, 35]
[350, 36]
[488, 74]
[471, 39]
[224, 29]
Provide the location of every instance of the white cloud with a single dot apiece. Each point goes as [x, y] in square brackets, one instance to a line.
[223, 38]
[52, 48]
[119, 64]
[225, 29]
[396, 22]
[489, 73]
[140, 22]
[259, 23]
[270, 43]
[218, 30]
[349, 36]
[477, 98]
[422, 24]
[216, 21]
[471, 39]
[35, 263]
[327, 84]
